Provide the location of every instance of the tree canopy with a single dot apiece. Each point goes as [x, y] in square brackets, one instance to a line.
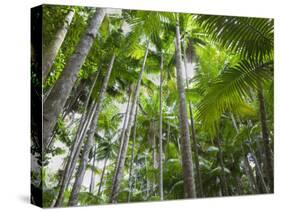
[147, 105]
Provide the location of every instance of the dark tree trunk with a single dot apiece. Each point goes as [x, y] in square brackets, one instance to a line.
[196, 154]
[266, 143]
[53, 105]
[221, 162]
[189, 185]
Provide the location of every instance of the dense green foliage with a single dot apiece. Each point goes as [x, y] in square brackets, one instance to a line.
[228, 82]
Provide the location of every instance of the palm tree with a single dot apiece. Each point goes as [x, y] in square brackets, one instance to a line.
[189, 185]
[55, 101]
[90, 141]
[252, 40]
[50, 53]
[120, 166]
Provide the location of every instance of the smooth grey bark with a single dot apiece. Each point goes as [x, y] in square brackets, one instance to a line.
[76, 146]
[53, 105]
[102, 174]
[196, 154]
[90, 140]
[130, 182]
[160, 132]
[120, 167]
[125, 123]
[266, 143]
[51, 51]
[188, 177]
[92, 182]
[193, 135]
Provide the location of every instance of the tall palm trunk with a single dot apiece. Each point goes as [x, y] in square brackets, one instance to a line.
[50, 53]
[85, 121]
[90, 140]
[102, 174]
[196, 154]
[53, 105]
[189, 185]
[193, 135]
[125, 123]
[92, 182]
[160, 133]
[119, 169]
[266, 143]
[130, 181]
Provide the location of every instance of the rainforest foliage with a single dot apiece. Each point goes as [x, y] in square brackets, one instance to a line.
[145, 105]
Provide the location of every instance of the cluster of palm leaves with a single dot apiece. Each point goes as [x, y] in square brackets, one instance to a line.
[163, 106]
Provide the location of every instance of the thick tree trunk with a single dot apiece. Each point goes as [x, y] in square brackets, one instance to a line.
[160, 133]
[189, 185]
[130, 182]
[51, 51]
[53, 105]
[90, 141]
[266, 143]
[102, 174]
[119, 170]
[92, 182]
[195, 146]
[77, 144]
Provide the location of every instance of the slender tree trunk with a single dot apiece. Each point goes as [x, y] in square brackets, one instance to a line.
[127, 113]
[251, 179]
[77, 144]
[132, 157]
[53, 105]
[153, 142]
[266, 143]
[189, 185]
[90, 141]
[147, 180]
[102, 174]
[50, 53]
[259, 173]
[221, 162]
[119, 170]
[92, 182]
[160, 133]
[196, 154]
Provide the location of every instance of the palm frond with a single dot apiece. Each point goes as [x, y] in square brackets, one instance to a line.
[230, 89]
[250, 37]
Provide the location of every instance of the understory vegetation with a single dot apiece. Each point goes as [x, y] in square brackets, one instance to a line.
[148, 106]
